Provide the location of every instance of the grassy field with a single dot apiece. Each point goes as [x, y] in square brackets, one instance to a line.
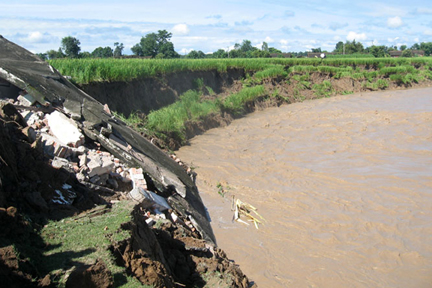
[110, 69]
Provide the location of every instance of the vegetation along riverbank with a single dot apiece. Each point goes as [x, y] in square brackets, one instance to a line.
[171, 100]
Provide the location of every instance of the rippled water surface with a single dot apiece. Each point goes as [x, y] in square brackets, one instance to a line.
[344, 183]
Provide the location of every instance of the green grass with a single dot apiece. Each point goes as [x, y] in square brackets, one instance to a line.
[172, 118]
[83, 240]
[323, 89]
[110, 69]
[235, 102]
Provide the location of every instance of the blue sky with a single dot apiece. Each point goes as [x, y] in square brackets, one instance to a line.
[211, 25]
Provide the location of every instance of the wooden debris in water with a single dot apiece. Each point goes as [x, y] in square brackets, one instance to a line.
[244, 209]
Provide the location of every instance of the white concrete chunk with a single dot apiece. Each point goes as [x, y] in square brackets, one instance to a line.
[99, 164]
[65, 129]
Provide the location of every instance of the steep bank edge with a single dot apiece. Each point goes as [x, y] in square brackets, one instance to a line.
[149, 94]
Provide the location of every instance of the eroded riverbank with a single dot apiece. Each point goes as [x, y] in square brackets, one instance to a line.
[344, 183]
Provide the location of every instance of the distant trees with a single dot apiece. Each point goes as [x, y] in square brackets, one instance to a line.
[196, 54]
[378, 51]
[71, 46]
[425, 46]
[156, 45]
[102, 52]
[349, 47]
[219, 54]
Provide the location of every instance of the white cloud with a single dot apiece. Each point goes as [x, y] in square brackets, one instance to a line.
[428, 32]
[356, 36]
[181, 29]
[185, 51]
[268, 40]
[35, 37]
[392, 39]
[284, 42]
[394, 22]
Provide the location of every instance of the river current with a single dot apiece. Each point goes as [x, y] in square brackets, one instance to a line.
[344, 183]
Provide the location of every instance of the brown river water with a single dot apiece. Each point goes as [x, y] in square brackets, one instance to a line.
[344, 183]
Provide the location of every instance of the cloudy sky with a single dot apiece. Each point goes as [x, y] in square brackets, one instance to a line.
[211, 25]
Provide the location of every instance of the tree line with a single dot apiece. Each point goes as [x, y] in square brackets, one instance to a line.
[158, 45]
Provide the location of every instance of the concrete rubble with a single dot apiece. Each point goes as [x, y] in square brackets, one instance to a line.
[79, 134]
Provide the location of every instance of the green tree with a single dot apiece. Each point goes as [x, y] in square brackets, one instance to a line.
[403, 47]
[407, 53]
[316, 50]
[118, 49]
[274, 50]
[378, 51]
[415, 46]
[196, 55]
[85, 54]
[156, 45]
[43, 56]
[339, 47]
[53, 54]
[220, 54]
[265, 47]
[71, 46]
[137, 50]
[427, 47]
[102, 52]
[246, 46]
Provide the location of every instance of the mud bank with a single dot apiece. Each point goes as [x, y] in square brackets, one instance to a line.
[150, 94]
[344, 184]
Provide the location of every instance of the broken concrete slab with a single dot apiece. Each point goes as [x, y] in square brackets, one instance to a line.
[53, 147]
[99, 163]
[26, 100]
[59, 162]
[65, 129]
[149, 200]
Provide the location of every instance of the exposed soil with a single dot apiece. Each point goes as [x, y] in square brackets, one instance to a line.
[149, 94]
[91, 276]
[173, 256]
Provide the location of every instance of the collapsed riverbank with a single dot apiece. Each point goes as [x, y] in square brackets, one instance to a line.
[165, 109]
[66, 173]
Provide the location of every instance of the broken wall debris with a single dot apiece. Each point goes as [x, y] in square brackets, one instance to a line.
[57, 97]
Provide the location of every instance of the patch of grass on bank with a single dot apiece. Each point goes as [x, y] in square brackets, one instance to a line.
[83, 240]
[171, 118]
[235, 102]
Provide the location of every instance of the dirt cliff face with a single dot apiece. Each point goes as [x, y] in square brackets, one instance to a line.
[150, 94]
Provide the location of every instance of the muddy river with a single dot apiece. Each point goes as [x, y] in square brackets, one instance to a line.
[344, 183]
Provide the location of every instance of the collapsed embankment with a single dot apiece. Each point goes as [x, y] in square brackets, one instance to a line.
[289, 85]
[61, 153]
[148, 94]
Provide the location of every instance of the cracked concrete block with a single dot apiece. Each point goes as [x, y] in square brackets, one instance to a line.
[99, 164]
[26, 100]
[149, 199]
[65, 129]
[59, 162]
[53, 147]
